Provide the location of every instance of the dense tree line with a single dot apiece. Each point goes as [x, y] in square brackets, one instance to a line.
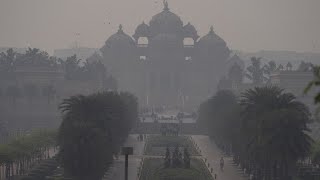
[259, 73]
[264, 130]
[92, 131]
[92, 69]
[20, 154]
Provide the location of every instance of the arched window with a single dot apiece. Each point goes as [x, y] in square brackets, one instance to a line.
[143, 41]
[188, 42]
[188, 58]
[143, 58]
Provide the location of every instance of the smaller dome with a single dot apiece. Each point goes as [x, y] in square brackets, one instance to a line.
[212, 39]
[117, 43]
[235, 59]
[190, 31]
[120, 38]
[142, 30]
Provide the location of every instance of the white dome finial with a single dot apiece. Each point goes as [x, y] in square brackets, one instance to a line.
[211, 29]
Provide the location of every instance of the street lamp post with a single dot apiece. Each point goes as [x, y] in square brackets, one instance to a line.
[126, 151]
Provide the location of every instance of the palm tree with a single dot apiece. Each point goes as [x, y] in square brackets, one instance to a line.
[220, 115]
[93, 128]
[269, 68]
[30, 91]
[274, 128]
[255, 71]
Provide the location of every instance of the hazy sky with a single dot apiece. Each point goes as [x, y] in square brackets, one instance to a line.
[249, 25]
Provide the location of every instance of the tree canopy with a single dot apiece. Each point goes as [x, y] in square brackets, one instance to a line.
[265, 130]
[92, 130]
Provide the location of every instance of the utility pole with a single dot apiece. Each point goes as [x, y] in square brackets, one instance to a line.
[126, 151]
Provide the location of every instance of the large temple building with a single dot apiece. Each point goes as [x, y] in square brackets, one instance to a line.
[166, 62]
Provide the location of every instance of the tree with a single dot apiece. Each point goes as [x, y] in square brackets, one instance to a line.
[280, 67]
[7, 63]
[270, 135]
[30, 91]
[35, 57]
[167, 159]
[255, 71]
[186, 158]
[270, 68]
[82, 139]
[25, 151]
[315, 153]
[13, 92]
[176, 158]
[289, 66]
[219, 115]
[72, 68]
[92, 130]
[314, 83]
[274, 128]
[305, 66]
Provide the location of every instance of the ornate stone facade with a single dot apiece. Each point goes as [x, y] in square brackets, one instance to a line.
[165, 63]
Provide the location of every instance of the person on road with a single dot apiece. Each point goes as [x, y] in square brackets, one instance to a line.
[221, 163]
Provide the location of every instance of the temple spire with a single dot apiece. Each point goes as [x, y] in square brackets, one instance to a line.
[166, 5]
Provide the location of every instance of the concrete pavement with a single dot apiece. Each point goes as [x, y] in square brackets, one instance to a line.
[116, 172]
[208, 150]
[212, 153]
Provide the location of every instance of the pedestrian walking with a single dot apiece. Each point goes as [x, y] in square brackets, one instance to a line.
[215, 176]
[221, 164]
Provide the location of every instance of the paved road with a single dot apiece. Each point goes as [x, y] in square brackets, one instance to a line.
[210, 151]
[116, 172]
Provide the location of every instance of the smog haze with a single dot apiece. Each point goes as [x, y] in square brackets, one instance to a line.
[249, 25]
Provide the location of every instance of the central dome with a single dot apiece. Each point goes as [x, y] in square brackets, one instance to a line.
[165, 22]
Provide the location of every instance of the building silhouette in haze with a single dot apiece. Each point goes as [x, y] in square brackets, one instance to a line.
[166, 62]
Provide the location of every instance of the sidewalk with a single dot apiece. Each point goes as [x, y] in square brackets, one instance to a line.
[116, 171]
[210, 151]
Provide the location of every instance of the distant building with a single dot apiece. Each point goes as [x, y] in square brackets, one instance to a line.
[40, 75]
[166, 62]
[82, 52]
[292, 81]
[295, 82]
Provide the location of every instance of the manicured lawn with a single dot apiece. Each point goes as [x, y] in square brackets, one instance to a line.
[153, 169]
[156, 145]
